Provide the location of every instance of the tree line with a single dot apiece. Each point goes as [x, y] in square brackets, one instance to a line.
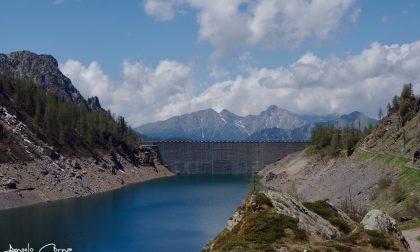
[62, 122]
[406, 105]
[328, 140]
[332, 141]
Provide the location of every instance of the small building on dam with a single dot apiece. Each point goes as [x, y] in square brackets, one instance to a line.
[223, 157]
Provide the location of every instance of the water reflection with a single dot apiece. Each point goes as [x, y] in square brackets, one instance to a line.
[173, 214]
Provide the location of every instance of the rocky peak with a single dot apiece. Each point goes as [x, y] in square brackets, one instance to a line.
[271, 109]
[43, 70]
[93, 103]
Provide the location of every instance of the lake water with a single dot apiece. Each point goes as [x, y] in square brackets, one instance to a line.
[171, 214]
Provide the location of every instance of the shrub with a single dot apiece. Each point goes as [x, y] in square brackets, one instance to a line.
[267, 226]
[412, 204]
[327, 212]
[398, 194]
[380, 240]
[262, 199]
[384, 182]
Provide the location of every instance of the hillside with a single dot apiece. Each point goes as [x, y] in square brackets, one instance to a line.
[379, 165]
[54, 143]
[271, 124]
[356, 173]
[275, 221]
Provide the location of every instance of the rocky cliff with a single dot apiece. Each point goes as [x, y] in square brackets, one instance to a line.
[42, 70]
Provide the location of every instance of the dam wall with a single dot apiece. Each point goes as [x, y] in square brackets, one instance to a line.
[223, 157]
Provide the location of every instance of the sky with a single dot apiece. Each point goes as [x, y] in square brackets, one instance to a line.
[149, 60]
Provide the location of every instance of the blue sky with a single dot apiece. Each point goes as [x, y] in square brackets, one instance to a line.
[179, 61]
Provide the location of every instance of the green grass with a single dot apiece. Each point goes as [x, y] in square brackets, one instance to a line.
[418, 238]
[327, 212]
[415, 223]
[259, 231]
[410, 180]
[392, 160]
[405, 189]
[262, 199]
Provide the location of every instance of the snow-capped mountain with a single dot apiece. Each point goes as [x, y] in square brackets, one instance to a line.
[211, 125]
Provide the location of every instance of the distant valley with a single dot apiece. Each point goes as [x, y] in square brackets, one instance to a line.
[274, 123]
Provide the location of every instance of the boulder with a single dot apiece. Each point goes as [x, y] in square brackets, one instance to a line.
[416, 157]
[53, 154]
[270, 176]
[11, 184]
[378, 220]
[76, 165]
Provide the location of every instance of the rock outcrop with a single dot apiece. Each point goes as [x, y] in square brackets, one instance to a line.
[378, 220]
[93, 103]
[308, 220]
[276, 221]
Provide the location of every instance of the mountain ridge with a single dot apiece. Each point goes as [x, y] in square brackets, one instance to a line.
[43, 70]
[274, 123]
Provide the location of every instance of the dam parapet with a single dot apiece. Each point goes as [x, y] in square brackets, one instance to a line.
[222, 157]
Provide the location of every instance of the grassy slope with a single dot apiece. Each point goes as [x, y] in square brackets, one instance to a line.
[385, 145]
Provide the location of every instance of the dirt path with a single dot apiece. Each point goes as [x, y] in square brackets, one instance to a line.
[411, 236]
[409, 164]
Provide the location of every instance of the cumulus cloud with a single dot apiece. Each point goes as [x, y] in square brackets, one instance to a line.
[90, 80]
[163, 10]
[230, 25]
[311, 85]
[57, 2]
[144, 94]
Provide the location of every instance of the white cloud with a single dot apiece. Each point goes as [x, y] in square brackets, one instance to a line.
[164, 10]
[234, 24]
[361, 82]
[313, 85]
[57, 2]
[145, 94]
[90, 80]
[217, 73]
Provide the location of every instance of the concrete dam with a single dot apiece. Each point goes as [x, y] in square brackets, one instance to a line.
[223, 157]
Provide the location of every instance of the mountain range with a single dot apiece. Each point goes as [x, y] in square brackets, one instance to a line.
[274, 123]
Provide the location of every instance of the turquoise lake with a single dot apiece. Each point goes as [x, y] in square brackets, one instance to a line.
[171, 214]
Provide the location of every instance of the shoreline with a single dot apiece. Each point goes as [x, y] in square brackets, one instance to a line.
[88, 181]
[134, 183]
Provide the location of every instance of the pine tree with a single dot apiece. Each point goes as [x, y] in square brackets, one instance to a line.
[395, 103]
[380, 114]
[335, 143]
[407, 91]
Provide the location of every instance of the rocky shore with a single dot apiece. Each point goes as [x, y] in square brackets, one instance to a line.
[32, 172]
[46, 180]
